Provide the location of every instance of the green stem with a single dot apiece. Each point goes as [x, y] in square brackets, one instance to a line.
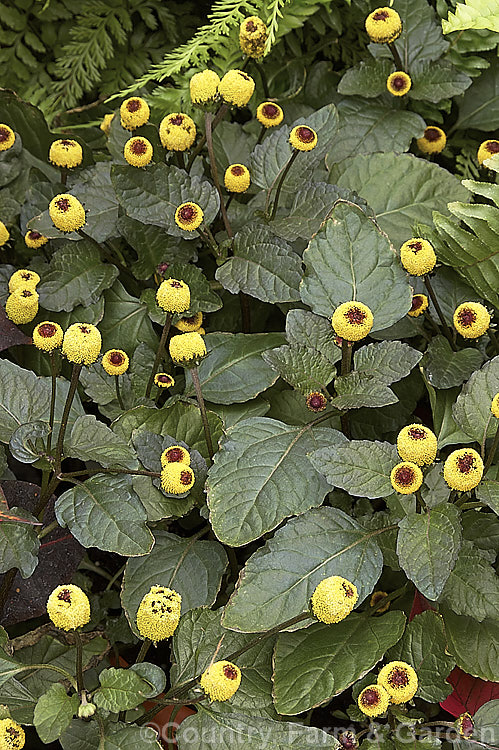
[445, 328]
[65, 416]
[47, 530]
[91, 472]
[180, 159]
[493, 339]
[280, 183]
[113, 580]
[398, 61]
[159, 353]
[53, 372]
[260, 137]
[222, 111]
[492, 453]
[208, 119]
[118, 394]
[202, 409]
[346, 366]
[79, 663]
[67, 676]
[143, 651]
[263, 78]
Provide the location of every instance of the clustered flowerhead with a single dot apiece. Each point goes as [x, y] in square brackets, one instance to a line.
[236, 88]
[471, 320]
[352, 321]
[303, 138]
[164, 380]
[253, 36]
[177, 131]
[433, 140]
[398, 83]
[177, 478]
[418, 444]
[47, 336]
[333, 599]
[34, 239]
[68, 607]
[175, 454]
[105, 125]
[316, 401]
[221, 680]
[486, 150]
[269, 114]
[376, 598]
[187, 348]
[4, 234]
[7, 137]
[204, 87]
[12, 736]
[66, 153]
[138, 151]
[66, 212]
[115, 362]
[134, 113]
[463, 469]
[465, 725]
[189, 216]
[383, 25]
[348, 740]
[193, 323]
[23, 279]
[418, 305]
[159, 613]
[173, 296]
[494, 406]
[237, 178]
[373, 700]
[22, 305]
[418, 256]
[399, 680]
[82, 343]
[406, 477]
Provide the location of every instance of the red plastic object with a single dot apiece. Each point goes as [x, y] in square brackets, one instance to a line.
[469, 693]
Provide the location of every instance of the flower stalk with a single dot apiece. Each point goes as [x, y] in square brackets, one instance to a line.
[118, 392]
[79, 663]
[53, 374]
[492, 453]
[280, 183]
[445, 328]
[202, 409]
[159, 353]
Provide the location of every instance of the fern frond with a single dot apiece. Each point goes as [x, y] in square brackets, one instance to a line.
[274, 13]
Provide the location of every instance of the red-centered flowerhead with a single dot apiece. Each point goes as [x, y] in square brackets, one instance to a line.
[348, 589]
[63, 204]
[162, 268]
[237, 170]
[466, 316]
[416, 303]
[492, 147]
[466, 463]
[415, 246]
[416, 433]
[186, 478]
[32, 235]
[176, 119]
[306, 135]
[116, 358]
[270, 111]
[398, 677]
[348, 740]
[138, 147]
[355, 316]
[405, 476]
[4, 134]
[316, 401]
[230, 672]
[381, 15]
[65, 596]
[174, 455]
[133, 105]
[398, 83]
[164, 378]
[47, 330]
[187, 213]
[432, 134]
[370, 697]
[466, 725]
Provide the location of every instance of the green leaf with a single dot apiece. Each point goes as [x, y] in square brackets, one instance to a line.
[446, 430]
[428, 546]
[314, 332]
[120, 690]
[488, 492]
[357, 390]
[387, 362]
[336, 657]
[486, 723]
[479, 107]
[435, 81]
[474, 645]
[194, 569]
[262, 475]
[104, 512]
[108, 735]
[232, 731]
[279, 579]
[92, 440]
[153, 194]
[360, 467]
[472, 587]
[26, 444]
[94, 189]
[53, 712]
[424, 647]
[153, 675]
[126, 322]
[153, 246]
[472, 14]
[20, 700]
[366, 79]
[234, 370]
[445, 368]
[29, 122]
[421, 39]
[401, 189]
[19, 544]
[262, 266]
[472, 408]
[301, 367]
[348, 259]
[372, 126]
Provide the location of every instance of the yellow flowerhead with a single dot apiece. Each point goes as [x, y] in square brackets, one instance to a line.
[221, 680]
[373, 700]
[82, 343]
[138, 151]
[406, 477]
[269, 114]
[352, 321]
[433, 140]
[187, 325]
[204, 87]
[159, 613]
[173, 296]
[22, 305]
[252, 36]
[471, 319]
[303, 138]
[383, 25]
[417, 256]
[23, 278]
[66, 153]
[67, 212]
[333, 599]
[4, 234]
[163, 380]
[418, 306]
[316, 401]
[105, 125]
[7, 137]
[12, 735]
[398, 83]
[487, 150]
[115, 362]
[35, 239]
[236, 87]
[177, 131]
[465, 725]
[399, 680]
[176, 478]
[418, 444]
[68, 607]
[175, 454]
[189, 216]
[463, 469]
[237, 178]
[47, 336]
[134, 112]
[187, 348]
[494, 407]
[377, 597]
